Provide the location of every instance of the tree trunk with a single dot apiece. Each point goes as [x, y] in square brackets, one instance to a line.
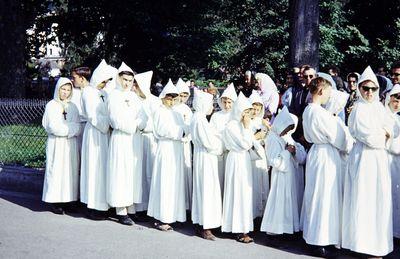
[304, 32]
[12, 49]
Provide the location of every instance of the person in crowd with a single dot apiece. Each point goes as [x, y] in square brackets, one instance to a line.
[367, 210]
[237, 212]
[62, 125]
[260, 128]
[95, 143]
[219, 120]
[207, 200]
[183, 109]
[322, 202]
[269, 94]
[167, 192]
[282, 213]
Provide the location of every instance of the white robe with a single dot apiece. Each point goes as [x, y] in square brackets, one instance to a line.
[237, 215]
[260, 175]
[94, 149]
[394, 162]
[77, 100]
[281, 212]
[167, 192]
[149, 143]
[219, 120]
[207, 200]
[322, 202]
[61, 181]
[124, 119]
[367, 209]
[187, 114]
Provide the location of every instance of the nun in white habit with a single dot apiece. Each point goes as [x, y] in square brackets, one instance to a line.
[260, 127]
[237, 215]
[322, 202]
[219, 120]
[392, 103]
[367, 213]
[149, 103]
[284, 155]
[122, 160]
[95, 143]
[167, 191]
[62, 124]
[207, 201]
[183, 109]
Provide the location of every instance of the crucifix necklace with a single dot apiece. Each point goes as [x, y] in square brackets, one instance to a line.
[127, 102]
[102, 97]
[64, 113]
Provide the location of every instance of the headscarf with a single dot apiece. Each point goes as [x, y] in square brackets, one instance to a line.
[100, 74]
[169, 88]
[202, 101]
[394, 90]
[60, 82]
[337, 101]
[241, 104]
[123, 68]
[329, 78]
[256, 98]
[368, 75]
[228, 93]
[144, 82]
[182, 86]
[283, 120]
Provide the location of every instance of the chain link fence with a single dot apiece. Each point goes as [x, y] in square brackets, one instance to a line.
[22, 137]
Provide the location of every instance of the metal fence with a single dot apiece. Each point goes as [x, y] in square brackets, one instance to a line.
[22, 137]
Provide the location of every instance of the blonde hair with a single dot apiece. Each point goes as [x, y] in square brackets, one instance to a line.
[318, 84]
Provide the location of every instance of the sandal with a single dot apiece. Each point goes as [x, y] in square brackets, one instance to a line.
[163, 227]
[243, 238]
[208, 235]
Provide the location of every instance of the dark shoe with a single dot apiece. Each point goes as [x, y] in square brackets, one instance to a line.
[139, 218]
[71, 207]
[125, 220]
[321, 251]
[56, 209]
[96, 215]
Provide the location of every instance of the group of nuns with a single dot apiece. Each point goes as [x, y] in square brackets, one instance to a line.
[119, 146]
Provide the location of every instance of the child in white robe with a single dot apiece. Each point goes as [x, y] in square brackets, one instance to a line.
[285, 157]
[62, 124]
[322, 202]
[125, 121]
[260, 128]
[207, 201]
[237, 214]
[183, 109]
[219, 120]
[95, 143]
[392, 103]
[167, 191]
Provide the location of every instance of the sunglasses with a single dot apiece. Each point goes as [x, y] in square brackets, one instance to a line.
[395, 74]
[366, 88]
[308, 76]
[396, 96]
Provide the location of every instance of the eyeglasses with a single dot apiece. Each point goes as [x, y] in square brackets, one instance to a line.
[366, 88]
[396, 96]
[395, 74]
[308, 76]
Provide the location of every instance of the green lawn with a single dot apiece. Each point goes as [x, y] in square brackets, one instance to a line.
[23, 145]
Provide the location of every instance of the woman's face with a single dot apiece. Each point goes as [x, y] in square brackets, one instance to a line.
[247, 113]
[65, 92]
[367, 90]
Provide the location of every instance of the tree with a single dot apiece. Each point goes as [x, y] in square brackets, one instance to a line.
[304, 32]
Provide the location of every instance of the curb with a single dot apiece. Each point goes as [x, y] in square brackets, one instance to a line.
[21, 179]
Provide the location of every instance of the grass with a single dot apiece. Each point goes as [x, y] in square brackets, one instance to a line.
[23, 145]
